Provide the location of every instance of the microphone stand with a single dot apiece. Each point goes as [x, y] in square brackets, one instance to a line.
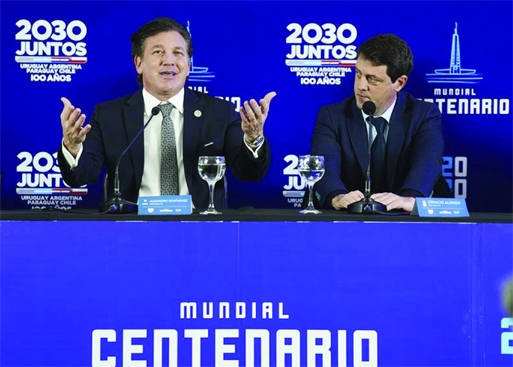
[116, 204]
[367, 205]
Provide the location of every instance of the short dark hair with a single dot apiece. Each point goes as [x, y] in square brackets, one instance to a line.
[154, 27]
[388, 50]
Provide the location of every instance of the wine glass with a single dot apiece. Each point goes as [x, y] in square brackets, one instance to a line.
[211, 169]
[311, 169]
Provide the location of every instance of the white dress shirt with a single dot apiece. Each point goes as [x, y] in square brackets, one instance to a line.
[150, 184]
[371, 130]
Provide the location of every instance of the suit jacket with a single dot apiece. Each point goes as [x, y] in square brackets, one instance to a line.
[115, 123]
[414, 150]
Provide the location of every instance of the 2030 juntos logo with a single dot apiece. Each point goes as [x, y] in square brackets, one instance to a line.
[327, 55]
[41, 183]
[44, 52]
[39, 170]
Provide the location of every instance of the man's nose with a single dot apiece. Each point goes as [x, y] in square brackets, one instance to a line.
[361, 83]
[169, 59]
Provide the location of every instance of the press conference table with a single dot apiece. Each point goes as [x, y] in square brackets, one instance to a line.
[249, 215]
[254, 287]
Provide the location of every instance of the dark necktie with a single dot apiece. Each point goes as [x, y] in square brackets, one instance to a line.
[378, 168]
[168, 161]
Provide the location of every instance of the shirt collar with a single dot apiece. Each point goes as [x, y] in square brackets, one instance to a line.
[150, 101]
[387, 115]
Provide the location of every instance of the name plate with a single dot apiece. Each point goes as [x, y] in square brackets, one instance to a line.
[440, 207]
[165, 205]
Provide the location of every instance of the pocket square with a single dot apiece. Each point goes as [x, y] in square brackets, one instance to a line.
[206, 145]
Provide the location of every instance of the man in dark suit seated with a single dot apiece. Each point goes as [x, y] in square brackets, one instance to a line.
[412, 131]
[200, 125]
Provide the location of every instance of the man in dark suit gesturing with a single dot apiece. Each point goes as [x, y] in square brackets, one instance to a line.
[202, 125]
[413, 143]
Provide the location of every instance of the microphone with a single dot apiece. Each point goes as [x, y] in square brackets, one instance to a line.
[116, 204]
[369, 108]
[367, 205]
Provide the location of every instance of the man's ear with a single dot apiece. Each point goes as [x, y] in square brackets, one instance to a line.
[400, 82]
[137, 63]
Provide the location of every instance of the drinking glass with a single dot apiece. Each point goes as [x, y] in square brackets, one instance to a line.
[311, 169]
[211, 169]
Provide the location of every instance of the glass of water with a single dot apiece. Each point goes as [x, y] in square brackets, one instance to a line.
[311, 169]
[211, 169]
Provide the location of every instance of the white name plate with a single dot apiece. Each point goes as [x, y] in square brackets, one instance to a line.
[440, 207]
[164, 205]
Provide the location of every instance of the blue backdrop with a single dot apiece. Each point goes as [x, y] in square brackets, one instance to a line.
[81, 50]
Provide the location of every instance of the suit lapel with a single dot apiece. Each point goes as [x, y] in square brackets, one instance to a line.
[192, 121]
[395, 139]
[133, 114]
[358, 135]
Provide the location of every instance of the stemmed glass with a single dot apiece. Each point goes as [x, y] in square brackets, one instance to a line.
[211, 169]
[311, 169]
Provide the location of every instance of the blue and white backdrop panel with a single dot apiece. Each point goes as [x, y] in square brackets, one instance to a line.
[303, 50]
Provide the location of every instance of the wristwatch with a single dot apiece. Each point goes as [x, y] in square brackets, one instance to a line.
[255, 143]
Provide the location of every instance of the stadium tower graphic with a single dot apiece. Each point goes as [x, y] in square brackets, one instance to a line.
[455, 73]
[198, 73]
